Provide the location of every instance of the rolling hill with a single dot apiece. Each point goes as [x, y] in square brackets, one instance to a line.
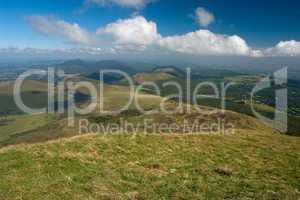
[247, 165]
[43, 158]
[78, 66]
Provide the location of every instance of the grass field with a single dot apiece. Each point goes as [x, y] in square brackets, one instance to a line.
[115, 97]
[245, 79]
[23, 128]
[7, 87]
[152, 77]
[254, 163]
[14, 125]
[34, 95]
[248, 165]
[264, 108]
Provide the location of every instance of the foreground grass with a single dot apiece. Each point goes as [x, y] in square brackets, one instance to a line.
[247, 165]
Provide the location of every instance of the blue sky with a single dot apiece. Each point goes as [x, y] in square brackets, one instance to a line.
[262, 25]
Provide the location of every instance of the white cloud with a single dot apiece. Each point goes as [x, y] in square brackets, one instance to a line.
[204, 42]
[137, 31]
[134, 31]
[139, 34]
[284, 48]
[256, 53]
[204, 17]
[124, 3]
[72, 32]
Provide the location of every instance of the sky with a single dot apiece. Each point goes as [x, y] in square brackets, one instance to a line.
[150, 28]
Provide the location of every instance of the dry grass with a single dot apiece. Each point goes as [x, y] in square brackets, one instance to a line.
[248, 165]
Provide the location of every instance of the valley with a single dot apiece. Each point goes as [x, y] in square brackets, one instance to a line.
[146, 161]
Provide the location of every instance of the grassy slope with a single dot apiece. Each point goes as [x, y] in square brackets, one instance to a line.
[58, 127]
[252, 164]
[23, 128]
[7, 87]
[248, 165]
[152, 77]
[34, 94]
[116, 97]
[245, 79]
[18, 124]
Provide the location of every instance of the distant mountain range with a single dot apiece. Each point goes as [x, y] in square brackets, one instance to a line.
[89, 67]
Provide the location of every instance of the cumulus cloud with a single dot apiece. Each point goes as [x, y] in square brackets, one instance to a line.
[139, 34]
[137, 31]
[137, 4]
[204, 17]
[71, 32]
[204, 42]
[284, 48]
[134, 31]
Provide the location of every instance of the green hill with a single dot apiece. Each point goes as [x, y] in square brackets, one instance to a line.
[152, 77]
[247, 165]
[14, 125]
[255, 162]
[33, 93]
